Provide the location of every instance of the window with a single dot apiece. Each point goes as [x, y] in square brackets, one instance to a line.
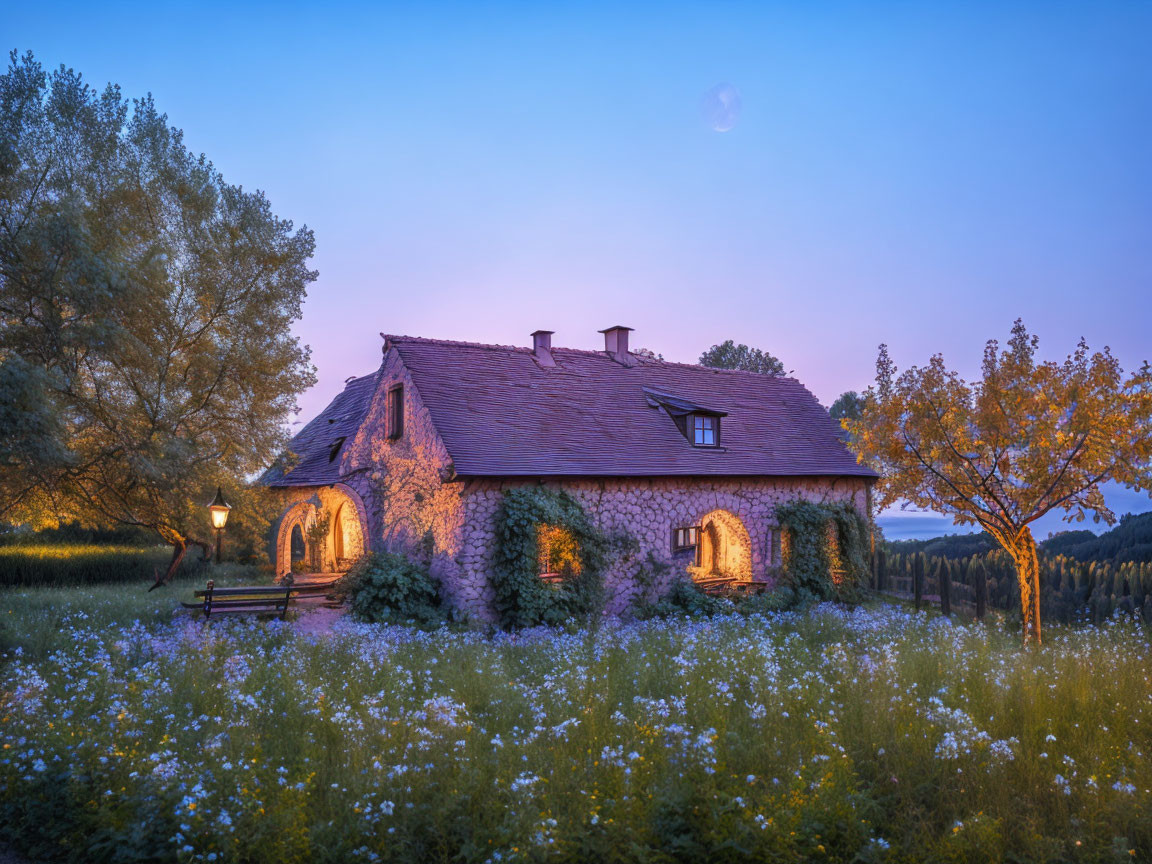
[557, 553]
[396, 411]
[705, 430]
[334, 450]
[684, 539]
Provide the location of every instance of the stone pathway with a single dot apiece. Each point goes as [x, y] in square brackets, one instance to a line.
[315, 622]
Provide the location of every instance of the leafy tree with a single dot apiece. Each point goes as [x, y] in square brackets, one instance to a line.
[847, 406]
[145, 313]
[647, 353]
[729, 355]
[1029, 437]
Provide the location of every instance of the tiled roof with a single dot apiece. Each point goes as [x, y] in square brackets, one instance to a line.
[501, 413]
[313, 444]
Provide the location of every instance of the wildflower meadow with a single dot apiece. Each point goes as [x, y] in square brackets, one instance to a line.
[872, 734]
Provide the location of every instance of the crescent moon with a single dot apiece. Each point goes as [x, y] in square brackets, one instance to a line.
[720, 107]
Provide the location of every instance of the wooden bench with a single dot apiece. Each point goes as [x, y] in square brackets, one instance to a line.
[256, 599]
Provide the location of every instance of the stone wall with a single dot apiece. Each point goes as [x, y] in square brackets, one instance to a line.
[646, 510]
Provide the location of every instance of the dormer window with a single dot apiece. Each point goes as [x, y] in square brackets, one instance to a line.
[699, 424]
[705, 430]
[334, 450]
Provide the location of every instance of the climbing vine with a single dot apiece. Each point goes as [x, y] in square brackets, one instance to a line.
[523, 599]
[826, 549]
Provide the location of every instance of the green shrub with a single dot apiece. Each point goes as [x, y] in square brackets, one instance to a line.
[385, 587]
[811, 558]
[64, 564]
[522, 598]
[779, 599]
[686, 598]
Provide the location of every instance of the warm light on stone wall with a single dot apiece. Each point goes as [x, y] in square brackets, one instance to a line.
[725, 548]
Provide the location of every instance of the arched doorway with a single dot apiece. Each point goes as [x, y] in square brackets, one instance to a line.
[292, 538]
[298, 550]
[347, 531]
[724, 550]
[327, 531]
[345, 536]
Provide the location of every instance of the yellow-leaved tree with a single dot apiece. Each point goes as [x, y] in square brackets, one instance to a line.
[1029, 437]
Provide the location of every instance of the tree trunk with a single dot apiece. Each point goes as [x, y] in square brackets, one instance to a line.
[179, 548]
[1023, 552]
[944, 571]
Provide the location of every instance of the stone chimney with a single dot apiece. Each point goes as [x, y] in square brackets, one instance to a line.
[616, 344]
[542, 346]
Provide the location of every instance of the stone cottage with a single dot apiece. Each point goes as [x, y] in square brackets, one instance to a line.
[688, 461]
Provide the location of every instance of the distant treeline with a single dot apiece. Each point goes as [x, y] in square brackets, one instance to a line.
[73, 534]
[63, 564]
[1129, 541]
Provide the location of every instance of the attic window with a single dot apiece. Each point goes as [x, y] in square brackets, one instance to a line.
[705, 430]
[396, 412]
[699, 424]
[334, 451]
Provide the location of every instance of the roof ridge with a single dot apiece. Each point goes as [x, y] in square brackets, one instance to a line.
[589, 352]
[393, 337]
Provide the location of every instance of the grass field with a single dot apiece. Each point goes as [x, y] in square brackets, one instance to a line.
[829, 735]
[64, 564]
[38, 620]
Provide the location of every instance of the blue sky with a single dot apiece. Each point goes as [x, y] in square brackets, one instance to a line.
[918, 174]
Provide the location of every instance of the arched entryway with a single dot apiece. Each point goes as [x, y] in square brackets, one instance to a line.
[347, 536]
[348, 529]
[292, 538]
[724, 548]
[324, 533]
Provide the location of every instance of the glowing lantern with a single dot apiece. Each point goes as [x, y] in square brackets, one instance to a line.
[218, 510]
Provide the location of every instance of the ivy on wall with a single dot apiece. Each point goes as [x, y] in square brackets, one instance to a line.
[826, 549]
[523, 599]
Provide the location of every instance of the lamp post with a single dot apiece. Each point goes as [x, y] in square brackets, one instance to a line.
[218, 510]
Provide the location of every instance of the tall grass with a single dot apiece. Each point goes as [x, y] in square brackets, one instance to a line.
[82, 564]
[875, 735]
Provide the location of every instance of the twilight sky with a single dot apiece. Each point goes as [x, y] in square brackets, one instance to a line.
[912, 173]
